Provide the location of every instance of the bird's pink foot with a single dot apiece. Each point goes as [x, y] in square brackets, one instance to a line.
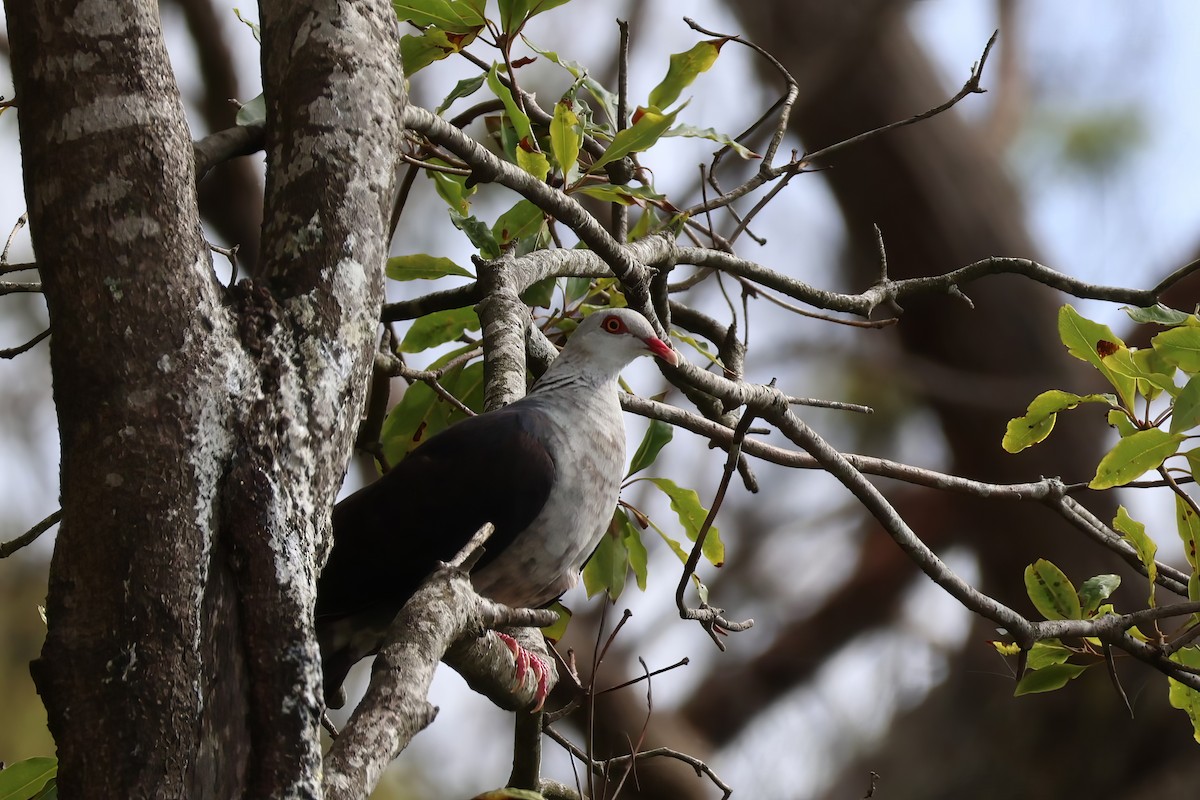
[530, 662]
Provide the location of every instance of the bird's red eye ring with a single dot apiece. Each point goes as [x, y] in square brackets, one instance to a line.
[614, 325]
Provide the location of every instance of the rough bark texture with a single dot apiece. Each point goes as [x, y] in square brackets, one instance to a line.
[204, 433]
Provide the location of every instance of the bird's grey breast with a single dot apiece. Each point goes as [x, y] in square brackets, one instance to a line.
[585, 436]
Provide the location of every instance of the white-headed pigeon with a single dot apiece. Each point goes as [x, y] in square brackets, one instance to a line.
[545, 470]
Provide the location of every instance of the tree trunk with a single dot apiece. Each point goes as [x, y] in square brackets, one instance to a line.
[204, 432]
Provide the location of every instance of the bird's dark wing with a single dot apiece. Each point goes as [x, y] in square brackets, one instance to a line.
[389, 536]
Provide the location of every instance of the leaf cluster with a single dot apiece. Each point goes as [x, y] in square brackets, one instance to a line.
[1155, 409]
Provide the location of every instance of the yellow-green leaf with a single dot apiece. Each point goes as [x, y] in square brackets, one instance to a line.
[533, 162]
[518, 118]
[1043, 654]
[1051, 591]
[566, 137]
[1048, 679]
[1006, 648]
[1188, 525]
[420, 266]
[556, 630]
[1184, 697]
[642, 135]
[1185, 414]
[1134, 532]
[686, 505]
[1132, 456]
[684, 68]
[1086, 340]
[1181, 347]
[1040, 417]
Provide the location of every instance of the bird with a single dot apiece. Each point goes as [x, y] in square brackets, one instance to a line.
[545, 470]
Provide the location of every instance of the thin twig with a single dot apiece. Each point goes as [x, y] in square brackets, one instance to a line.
[27, 538]
[710, 618]
[13, 352]
[970, 87]
[600, 767]
[21, 222]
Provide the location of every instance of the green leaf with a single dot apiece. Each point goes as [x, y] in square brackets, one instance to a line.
[1156, 314]
[639, 558]
[421, 413]
[605, 571]
[566, 137]
[25, 779]
[1185, 414]
[1043, 654]
[1133, 363]
[1048, 679]
[556, 630]
[422, 267]
[1181, 347]
[255, 30]
[1134, 532]
[1083, 339]
[693, 132]
[453, 189]
[625, 195]
[523, 219]
[454, 16]
[515, 13]
[1039, 418]
[464, 88]
[1096, 590]
[253, 112]
[604, 98]
[438, 328]
[650, 126]
[658, 435]
[1120, 420]
[1184, 697]
[478, 233]
[541, 293]
[1188, 525]
[419, 50]
[686, 505]
[533, 162]
[512, 15]
[518, 118]
[684, 68]
[1132, 456]
[1051, 591]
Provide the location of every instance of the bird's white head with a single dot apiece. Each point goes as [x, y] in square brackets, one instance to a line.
[607, 341]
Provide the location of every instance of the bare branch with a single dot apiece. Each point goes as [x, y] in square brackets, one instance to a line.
[31, 535]
[970, 87]
[13, 352]
[710, 618]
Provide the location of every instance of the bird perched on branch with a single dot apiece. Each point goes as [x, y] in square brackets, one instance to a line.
[545, 470]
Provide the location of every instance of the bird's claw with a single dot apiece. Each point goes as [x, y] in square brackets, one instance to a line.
[530, 662]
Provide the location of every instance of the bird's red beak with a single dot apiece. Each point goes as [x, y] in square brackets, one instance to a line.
[662, 350]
